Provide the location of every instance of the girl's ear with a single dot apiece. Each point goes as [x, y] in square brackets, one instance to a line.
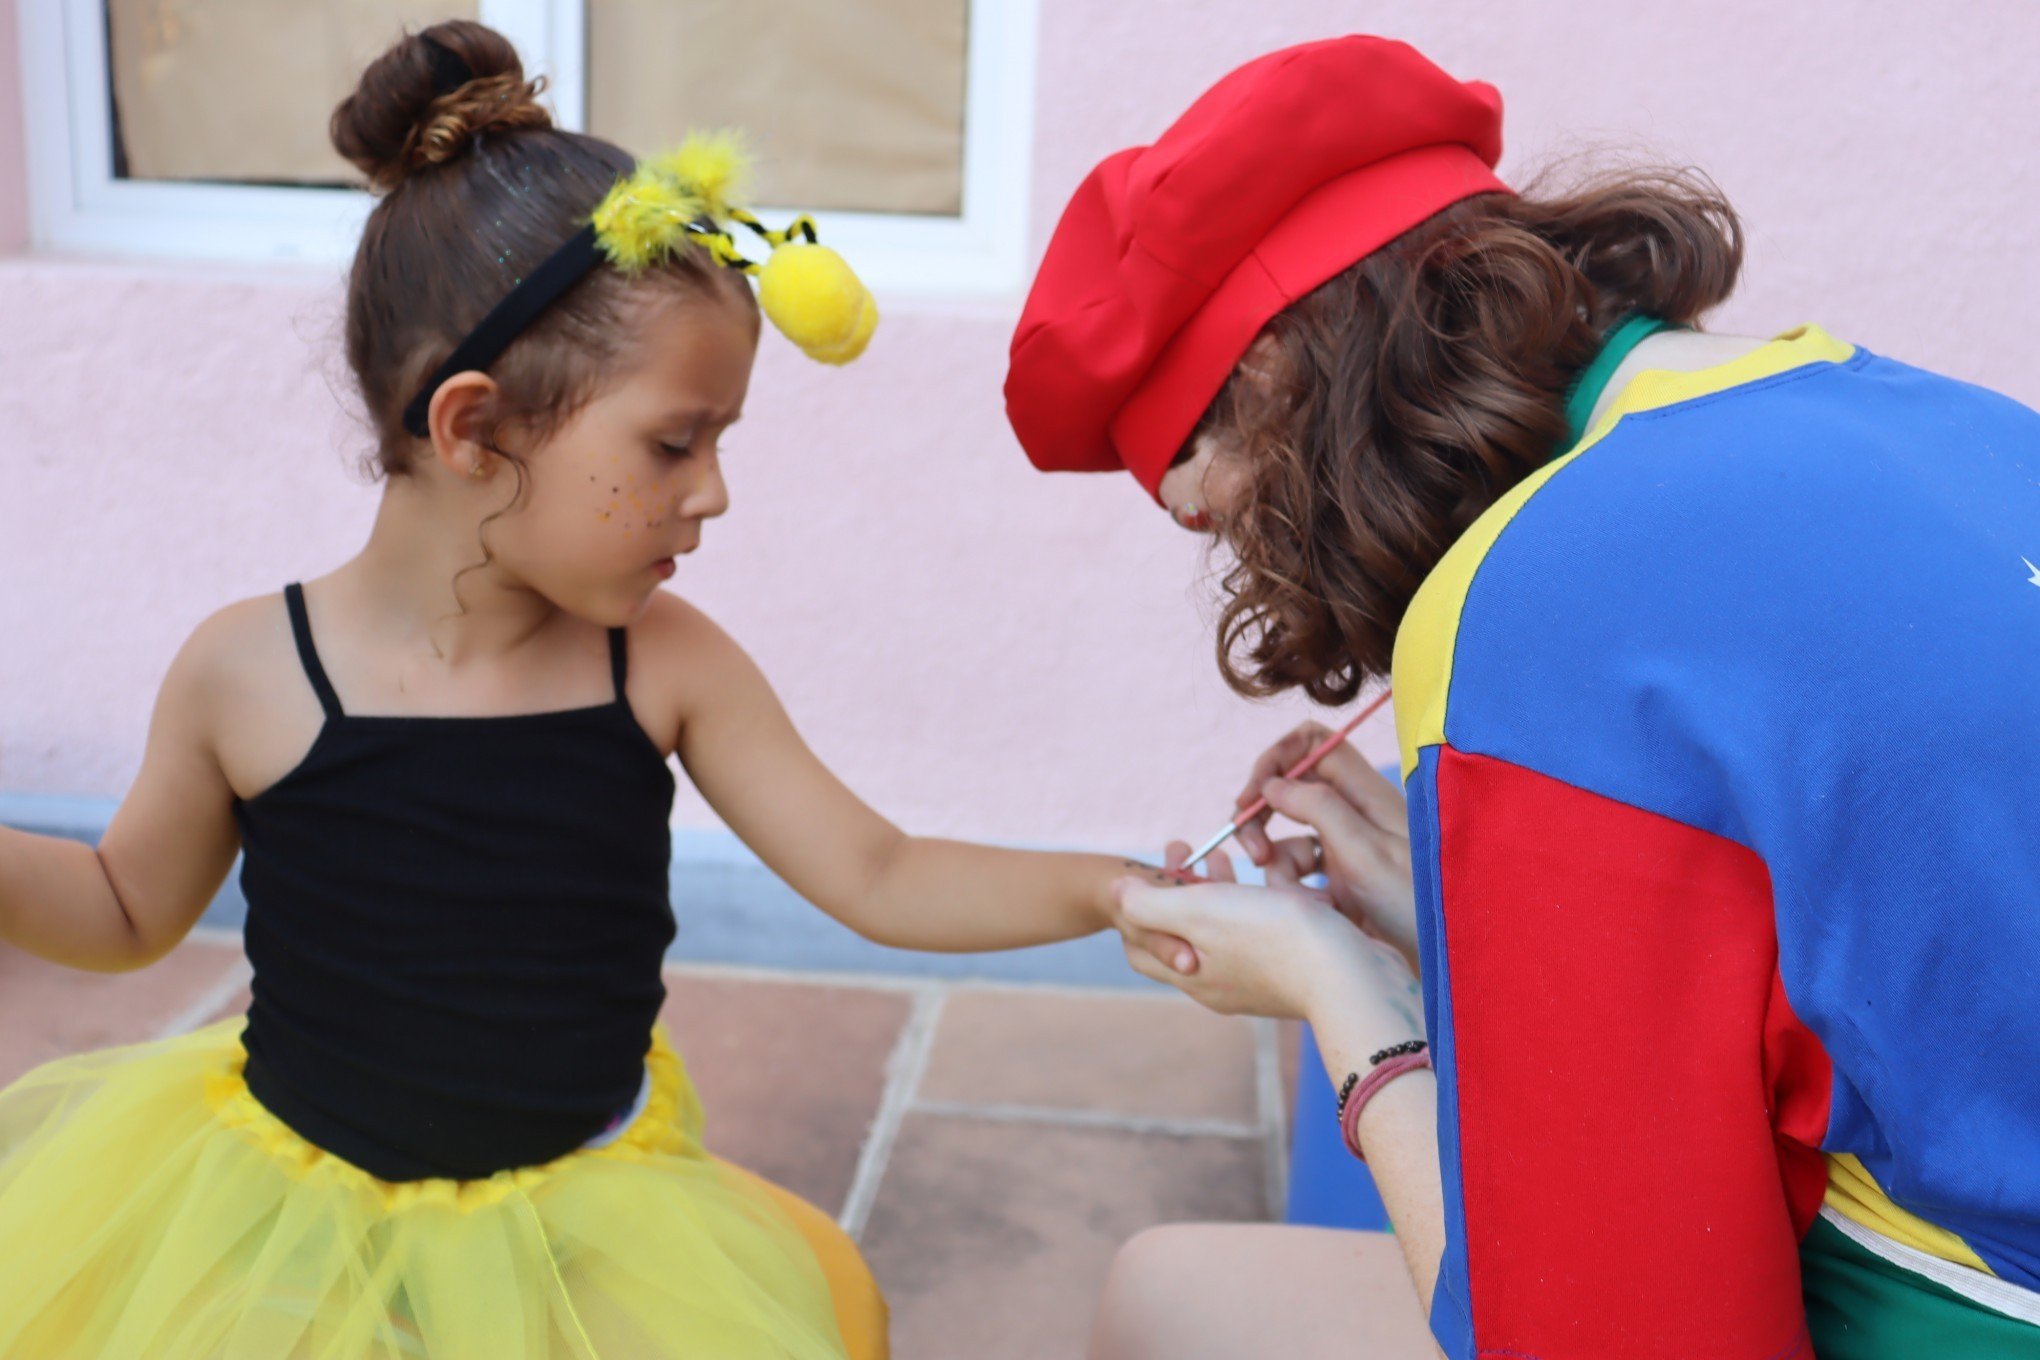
[458, 422]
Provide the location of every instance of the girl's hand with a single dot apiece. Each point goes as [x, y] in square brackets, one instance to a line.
[1280, 953]
[1361, 842]
[1169, 951]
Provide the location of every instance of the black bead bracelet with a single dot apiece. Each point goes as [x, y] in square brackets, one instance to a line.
[1392, 1051]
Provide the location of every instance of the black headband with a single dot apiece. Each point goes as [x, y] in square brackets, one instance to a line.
[561, 270]
[530, 295]
[537, 291]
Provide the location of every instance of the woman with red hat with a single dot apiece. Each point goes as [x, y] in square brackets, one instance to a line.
[1713, 664]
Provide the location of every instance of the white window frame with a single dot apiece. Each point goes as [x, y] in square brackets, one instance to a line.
[77, 205]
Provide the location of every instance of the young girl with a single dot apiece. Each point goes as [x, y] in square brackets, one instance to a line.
[1714, 663]
[446, 1127]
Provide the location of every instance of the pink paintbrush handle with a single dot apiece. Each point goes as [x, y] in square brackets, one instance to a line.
[1301, 768]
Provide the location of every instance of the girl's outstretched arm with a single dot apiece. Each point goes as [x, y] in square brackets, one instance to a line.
[742, 751]
[129, 901]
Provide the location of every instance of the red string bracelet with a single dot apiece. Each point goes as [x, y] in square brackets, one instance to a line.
[1382, 1075]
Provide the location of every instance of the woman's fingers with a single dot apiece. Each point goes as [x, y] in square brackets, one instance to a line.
[1175, 854]
[1298, 857]
[1253, 839]
[1342, 829]
[1379, 798]
[1146, 964]
[1150, 931]
[1276, 760]
[1218, 867]
[1171, 951]
[1147, 908]
[1281, 757]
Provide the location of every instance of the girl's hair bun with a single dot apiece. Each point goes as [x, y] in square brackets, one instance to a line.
[410, 110]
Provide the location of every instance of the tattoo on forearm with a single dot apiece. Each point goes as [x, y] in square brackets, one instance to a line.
[1409, 1003]
[1404, 993]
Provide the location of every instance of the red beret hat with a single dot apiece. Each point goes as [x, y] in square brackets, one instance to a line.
[1171, 258]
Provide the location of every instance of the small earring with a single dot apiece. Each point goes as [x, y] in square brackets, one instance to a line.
[475, 470]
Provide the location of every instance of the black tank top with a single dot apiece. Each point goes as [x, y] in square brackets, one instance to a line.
[456, 927]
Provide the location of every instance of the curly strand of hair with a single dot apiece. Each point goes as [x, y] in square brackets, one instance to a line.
[493, 103]
[493, 445]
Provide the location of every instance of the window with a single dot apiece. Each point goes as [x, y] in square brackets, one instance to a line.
[197, 128]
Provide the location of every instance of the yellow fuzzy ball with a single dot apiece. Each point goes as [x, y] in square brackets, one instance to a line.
[818, 302]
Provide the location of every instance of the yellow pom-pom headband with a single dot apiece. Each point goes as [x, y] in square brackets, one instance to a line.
[804, 288]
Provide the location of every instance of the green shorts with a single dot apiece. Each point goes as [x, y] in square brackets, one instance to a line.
[1860, 1306]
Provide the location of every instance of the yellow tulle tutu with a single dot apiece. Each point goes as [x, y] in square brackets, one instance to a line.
[151, 1209]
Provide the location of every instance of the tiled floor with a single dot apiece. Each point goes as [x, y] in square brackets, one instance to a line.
[990, 1146]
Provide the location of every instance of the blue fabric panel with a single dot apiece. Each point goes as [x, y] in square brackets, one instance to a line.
[1328, 1186]
[1452, 1301]
[1802, 614]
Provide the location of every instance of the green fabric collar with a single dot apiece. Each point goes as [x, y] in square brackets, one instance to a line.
[1593, 379]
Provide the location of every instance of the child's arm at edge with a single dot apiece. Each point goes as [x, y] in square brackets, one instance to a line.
[127, 902]
[742, 751]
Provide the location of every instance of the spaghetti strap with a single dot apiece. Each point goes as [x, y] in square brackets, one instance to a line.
[301, 629]
[619, 659]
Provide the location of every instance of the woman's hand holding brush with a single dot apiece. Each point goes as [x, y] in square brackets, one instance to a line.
[1359, 837]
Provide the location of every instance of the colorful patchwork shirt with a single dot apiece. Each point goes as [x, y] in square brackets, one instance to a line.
[1721, 736]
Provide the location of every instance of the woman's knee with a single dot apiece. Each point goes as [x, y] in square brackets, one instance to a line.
[1144, 1293]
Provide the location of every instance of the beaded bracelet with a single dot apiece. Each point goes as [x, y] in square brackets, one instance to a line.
[1392, 1051]
[1397, 1050]
[1349, 1118]
[1383, 1067]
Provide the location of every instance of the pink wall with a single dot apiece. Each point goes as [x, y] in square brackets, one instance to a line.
[982, 650]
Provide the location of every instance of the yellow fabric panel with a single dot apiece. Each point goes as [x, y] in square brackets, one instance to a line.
[1424, 643]
[1855, 1194]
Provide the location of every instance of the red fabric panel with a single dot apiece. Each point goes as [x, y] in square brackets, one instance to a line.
[1613, 976]
[1801, 1082]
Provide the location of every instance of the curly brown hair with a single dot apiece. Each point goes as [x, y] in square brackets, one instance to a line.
[1406, 395]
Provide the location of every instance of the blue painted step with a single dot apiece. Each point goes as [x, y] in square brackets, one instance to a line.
[1328, 1186]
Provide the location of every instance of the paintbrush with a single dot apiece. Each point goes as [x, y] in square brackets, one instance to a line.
[1301, 768]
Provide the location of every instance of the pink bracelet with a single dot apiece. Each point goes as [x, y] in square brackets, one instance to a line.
[1349, 1118]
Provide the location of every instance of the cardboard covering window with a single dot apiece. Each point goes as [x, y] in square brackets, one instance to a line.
[849, 105]
[241, 90]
